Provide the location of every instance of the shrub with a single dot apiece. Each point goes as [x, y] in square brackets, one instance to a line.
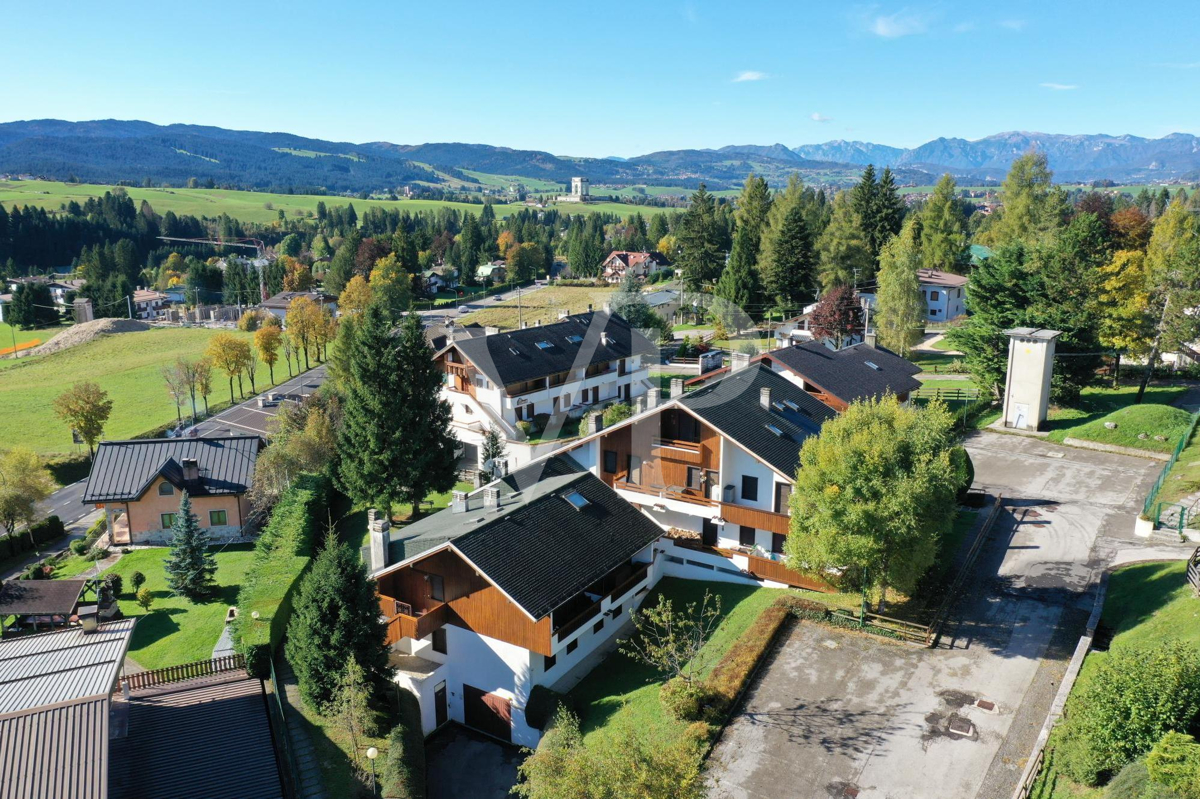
[403, 775]
[682, 700]
[960, 459]
[281, 555]
[136, 581]
[145, 599]
[1175, 762]
[44, 532]
[617, 412]
[1133, 782]
[525, 427]
[1133, 698]
[79, 546]
[248, 322]
[116, 583]
[731, 673]
[540, 421]
[543, 704]
[96, 553]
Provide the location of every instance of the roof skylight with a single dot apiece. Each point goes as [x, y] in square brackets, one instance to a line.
[775, 430]
[544, 345]
[575, 339]
[873, 365]
[578, 501]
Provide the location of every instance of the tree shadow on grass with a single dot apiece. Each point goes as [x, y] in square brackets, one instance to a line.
[1136, 593]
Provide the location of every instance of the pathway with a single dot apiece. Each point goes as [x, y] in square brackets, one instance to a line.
[307, 774]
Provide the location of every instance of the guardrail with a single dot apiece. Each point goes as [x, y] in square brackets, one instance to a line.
[186, 671]
[1193, 571]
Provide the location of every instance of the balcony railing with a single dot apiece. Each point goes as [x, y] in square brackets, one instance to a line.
[674, 443]
[589, 613]
[665, 493]
[625, 587]
[755, 517]
[404, 621]
[592, 611]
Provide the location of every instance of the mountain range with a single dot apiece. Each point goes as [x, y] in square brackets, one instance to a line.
[110, 151]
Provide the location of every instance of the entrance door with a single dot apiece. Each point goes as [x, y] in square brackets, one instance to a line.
[440, 712]
[708, 533]
[627, 390]
[595, 394]
[487, 713]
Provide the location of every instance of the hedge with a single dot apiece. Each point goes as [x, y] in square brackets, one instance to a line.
[731, 673]
[44, 532]
[282, 554]
[403, 774]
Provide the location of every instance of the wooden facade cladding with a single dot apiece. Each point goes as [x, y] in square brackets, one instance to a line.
[470, 602]
[658, 453]
[766, 569]
[754, 517]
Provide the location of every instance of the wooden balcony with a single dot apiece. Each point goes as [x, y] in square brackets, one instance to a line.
[405, 621]
[658, 442]
[754, 517]
[625, 587]
[766, 569]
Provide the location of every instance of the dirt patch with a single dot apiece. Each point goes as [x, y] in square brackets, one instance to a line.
[88, 331]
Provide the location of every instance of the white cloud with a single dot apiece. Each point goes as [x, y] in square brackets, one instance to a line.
[750, 74]
[902, 23]
[1013, 24]
[1059, 87]
[819, 117]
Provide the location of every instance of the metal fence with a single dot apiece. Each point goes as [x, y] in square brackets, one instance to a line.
[1162, 476]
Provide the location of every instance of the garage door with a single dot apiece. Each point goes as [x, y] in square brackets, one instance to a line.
[487, 712]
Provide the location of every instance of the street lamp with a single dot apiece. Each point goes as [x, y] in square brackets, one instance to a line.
[372, 753]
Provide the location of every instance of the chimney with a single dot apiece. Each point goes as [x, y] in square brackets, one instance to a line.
[604, 337]
[458, 503]
[595, 423]
[607, 306]
[491, 497]
[653, 397]
[764, 398]
[378, 527]
[639, 404]
[563, 313]
[478, 480]
[491, 330]
[191, 470]
[676, 387]
[589, 307]
[524, 324]
[739, 360]
[869, 339]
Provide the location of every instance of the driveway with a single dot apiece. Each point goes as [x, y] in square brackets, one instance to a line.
[460, 762]
[839, 714]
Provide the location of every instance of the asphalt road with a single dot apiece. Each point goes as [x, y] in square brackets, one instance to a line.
[248, 418]
[465, 307]
[67, 503]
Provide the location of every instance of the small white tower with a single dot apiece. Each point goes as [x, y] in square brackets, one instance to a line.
[1027, 383]
[579, 187]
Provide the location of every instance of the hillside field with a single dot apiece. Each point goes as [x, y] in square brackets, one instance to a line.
[127, 366]
[542, 305]
[249, 206]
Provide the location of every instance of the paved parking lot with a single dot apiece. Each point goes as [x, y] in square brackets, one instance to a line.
[248, 418]
[839, 714]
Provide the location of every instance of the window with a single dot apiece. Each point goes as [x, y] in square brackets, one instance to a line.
[693, 477]
[578, 501]
[749, 488]
[217, 518]
[548, 662]
[745, 535]
[571, 647]
[436, 589]
[439, 640]
[616, 611]
[167, 520]
[165, 489]
[598, 626]
[777, 543]
[610, 461]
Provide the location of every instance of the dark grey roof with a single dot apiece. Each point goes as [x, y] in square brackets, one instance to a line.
[207, 737]
[515, 356]
[438, 335]
[537, 547]
[39, 597]
[657, 299]
[123, 470]
[733, 405]
[284, 298]
[847, 373]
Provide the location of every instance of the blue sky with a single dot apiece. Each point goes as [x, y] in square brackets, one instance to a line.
[614, 77]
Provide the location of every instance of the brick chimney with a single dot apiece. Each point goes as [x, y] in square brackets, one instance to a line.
[738, 361]
[378, 531]
[191, 470]
[491, 497]
[764, 397]
[676, 387]
[653, 397]
[639, 404]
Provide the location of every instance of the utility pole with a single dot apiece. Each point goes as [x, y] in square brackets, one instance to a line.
[520, 314]
[129, 304]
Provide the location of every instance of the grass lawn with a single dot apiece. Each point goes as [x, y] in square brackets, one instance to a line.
[945, 382]
[1184, 477]
[127, 366]
[542, 306]
[732, 345]
[626, 687]
[353, 525]
[944, 345]
[1096, 402]
[1152, 420]
[664, 380]
[1146, 604]
[690, 326]
[176, 631]
[10, 333]
[938, 362]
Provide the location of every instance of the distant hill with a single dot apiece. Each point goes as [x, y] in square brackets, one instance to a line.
[1072, 157]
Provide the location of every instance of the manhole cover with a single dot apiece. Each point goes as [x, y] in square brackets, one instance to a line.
[986, 705]
[960, 726]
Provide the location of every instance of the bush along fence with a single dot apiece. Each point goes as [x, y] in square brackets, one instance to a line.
[282, 554]
[1152, 497]
[42, 533]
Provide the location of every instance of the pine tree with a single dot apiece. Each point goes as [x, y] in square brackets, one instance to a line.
[943, 237]
[864, 199]
[429, 464]
[889, 212]
[493, 452]
[189, 565]
[845, 256]
[900, 310]
[791, 274]
[738, 291]
[700, 238]
[753, 208]
[335, 619]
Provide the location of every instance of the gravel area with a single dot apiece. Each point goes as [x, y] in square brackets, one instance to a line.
[88, 331]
